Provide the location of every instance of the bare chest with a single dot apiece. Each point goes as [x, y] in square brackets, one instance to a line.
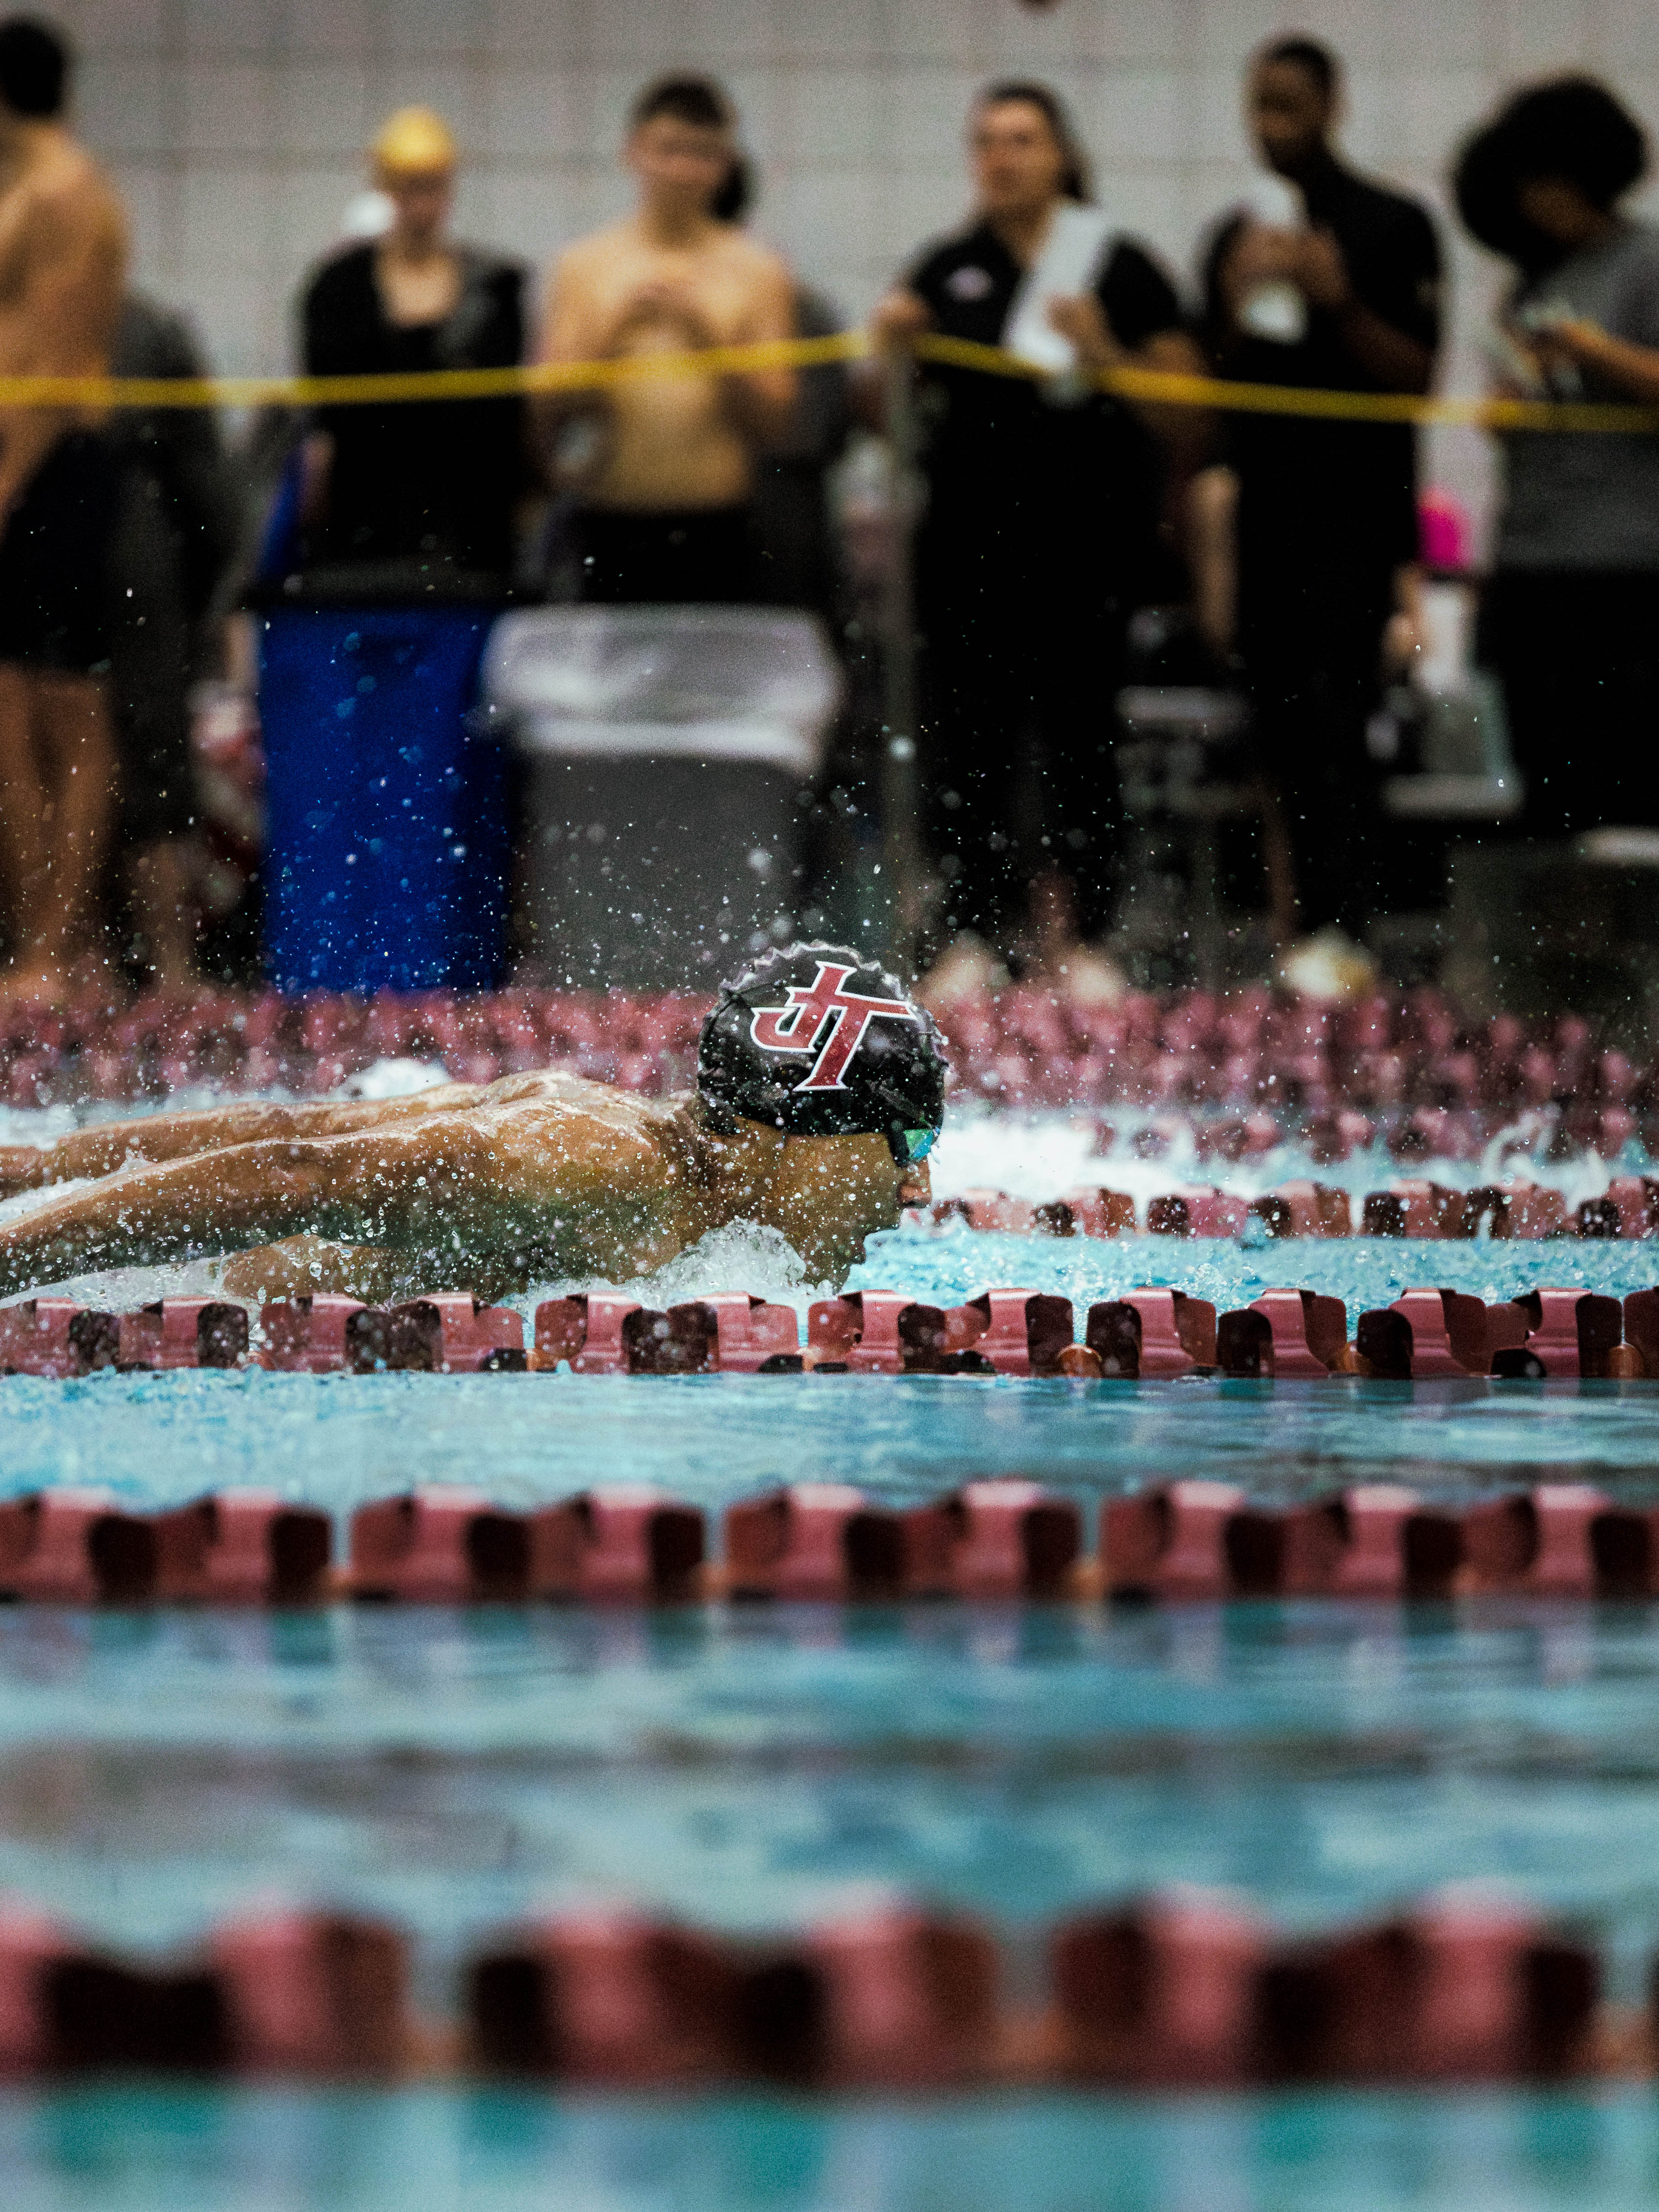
[720, 292]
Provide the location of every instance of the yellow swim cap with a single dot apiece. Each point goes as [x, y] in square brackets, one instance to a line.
[413, 143]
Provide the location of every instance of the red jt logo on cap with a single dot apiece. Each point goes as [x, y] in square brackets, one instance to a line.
[797, 1025]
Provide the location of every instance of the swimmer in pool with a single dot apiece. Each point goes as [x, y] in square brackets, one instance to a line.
[820, 1090]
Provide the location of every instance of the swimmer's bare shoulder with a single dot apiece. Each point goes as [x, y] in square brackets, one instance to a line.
[582, 1179]
[559, 1142]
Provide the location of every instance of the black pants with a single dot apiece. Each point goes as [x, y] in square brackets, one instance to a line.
[690, 557]
[1577, 653]
[55, 584]
[1020, 671]
[1312, 644]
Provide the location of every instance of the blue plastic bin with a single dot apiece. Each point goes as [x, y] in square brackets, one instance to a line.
[388, 845]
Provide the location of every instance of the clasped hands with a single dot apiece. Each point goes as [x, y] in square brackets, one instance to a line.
[1309, 260]
[662, 305]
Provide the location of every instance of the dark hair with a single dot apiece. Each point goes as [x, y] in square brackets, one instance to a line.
[736, 196]
[695, 99]
[1076, 182]
[1300, 52]
[700, 102]
[35, 60]
[1569, 127]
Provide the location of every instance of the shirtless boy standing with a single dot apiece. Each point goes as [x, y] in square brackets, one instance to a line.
[664, 465]
[820, 1090]
[63, 263]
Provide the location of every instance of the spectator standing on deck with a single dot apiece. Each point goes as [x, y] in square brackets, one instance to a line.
[423, 494]
[664, 466]
[63, 249]
[1570, 621]
[1040, 537]
[175, 535]
[1337, 288]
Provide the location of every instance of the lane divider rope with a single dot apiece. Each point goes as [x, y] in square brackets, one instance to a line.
[1182, 1988]
[824, 1541]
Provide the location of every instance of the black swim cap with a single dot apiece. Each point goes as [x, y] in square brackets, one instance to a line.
[817, 1042]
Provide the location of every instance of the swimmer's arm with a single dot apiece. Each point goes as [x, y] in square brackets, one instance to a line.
[579, 1196]
[109, 1147]
[308, 1266]
[394, 1187]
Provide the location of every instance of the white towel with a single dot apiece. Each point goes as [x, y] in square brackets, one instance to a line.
[1074, 254]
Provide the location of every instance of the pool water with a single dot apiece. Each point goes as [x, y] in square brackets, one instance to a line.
[754, 1768]
[757, 1768]
[146, 2150]
[337, 1440]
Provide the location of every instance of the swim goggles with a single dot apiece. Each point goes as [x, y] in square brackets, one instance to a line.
[909, 1145]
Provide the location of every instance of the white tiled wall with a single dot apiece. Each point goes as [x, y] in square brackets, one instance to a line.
[235, 126]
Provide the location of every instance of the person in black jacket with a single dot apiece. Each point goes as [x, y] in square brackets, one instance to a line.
[1040, 537]
[175, 533]
[422, 494]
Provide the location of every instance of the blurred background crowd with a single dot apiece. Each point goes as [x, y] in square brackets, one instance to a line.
[1002, 673]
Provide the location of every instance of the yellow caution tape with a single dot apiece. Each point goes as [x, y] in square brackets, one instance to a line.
[1164, 389]
[1151, 386]
[145, 393]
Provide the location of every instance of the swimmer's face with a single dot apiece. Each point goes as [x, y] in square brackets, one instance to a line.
[421, 202]
[681, 165]
[827, 1194]
[1018, 162]
[1290, 119]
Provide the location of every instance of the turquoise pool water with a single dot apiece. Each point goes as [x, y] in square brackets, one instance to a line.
[338, 1440]
[752, 1769]
[955, 1262]
[144, 2149]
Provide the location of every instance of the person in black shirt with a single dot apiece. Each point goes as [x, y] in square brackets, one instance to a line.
[1041, 534]
[424, 494]
[1326, 514]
